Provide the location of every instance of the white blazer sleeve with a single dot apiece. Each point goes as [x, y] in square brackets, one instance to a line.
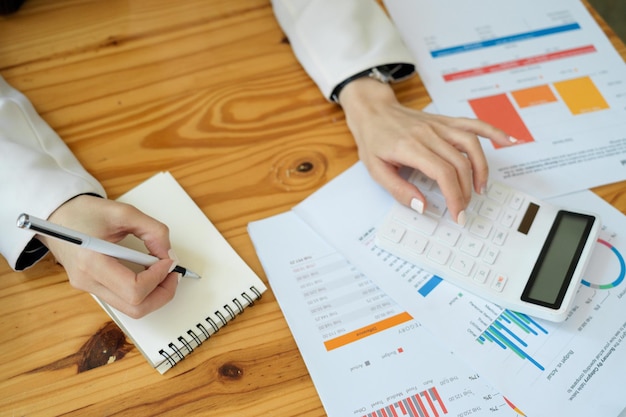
[336, 39]
[38, 173]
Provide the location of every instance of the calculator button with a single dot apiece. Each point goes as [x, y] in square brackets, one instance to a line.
[474, 204]
[421, 181]
[435, 205]
[516, 201]
[419, 222]
[415, 242]
[499, 283]
[491, 254]
[508, 219]
[480, 227]
[497, 192]
[462, 264]
[393, 231]
[489, 210]
[439, 254]
[499, 237]
[447, 235]
[482, 273]
[471, 246]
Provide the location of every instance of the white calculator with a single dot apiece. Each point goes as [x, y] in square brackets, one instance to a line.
[514, 250]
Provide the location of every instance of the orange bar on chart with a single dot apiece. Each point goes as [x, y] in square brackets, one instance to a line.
[581, 95]
[533, 96]
[499, 111]
[367, 331]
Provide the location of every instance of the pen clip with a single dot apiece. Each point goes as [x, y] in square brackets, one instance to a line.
[24, 222]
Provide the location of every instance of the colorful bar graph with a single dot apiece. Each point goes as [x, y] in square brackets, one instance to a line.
[363, 332]
[499, 111]
[581, 95]
[424, 404]
[507, 332]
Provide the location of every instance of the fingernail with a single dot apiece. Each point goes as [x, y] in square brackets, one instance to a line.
[174, 259]
[417, 205]
[461, 219]
[513, 140]
[172, 255]
[483, 189]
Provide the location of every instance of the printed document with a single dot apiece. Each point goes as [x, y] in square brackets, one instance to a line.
[574, 368]
[542, 71]
[366, 355]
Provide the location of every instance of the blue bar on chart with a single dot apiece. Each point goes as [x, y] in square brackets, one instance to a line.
[429, 286]
[424, 404]
[504, 39]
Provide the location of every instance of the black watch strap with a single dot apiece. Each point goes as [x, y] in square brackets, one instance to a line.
[384, 74]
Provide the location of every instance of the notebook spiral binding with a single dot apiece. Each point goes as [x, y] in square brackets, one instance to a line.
[177, 350]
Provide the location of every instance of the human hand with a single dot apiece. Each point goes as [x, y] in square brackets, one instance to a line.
[446, 149]
[135, 294]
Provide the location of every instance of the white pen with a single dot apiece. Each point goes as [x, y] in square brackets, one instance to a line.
[26, 221]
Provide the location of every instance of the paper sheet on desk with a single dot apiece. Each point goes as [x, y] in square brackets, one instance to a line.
[365, 354]
[543, 71]
[575, 368]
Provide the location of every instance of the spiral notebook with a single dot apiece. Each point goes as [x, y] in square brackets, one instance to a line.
[200, 307]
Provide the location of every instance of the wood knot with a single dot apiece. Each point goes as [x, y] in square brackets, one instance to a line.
[230, 371]
[300, 170]
[107, 345]
[305, 167]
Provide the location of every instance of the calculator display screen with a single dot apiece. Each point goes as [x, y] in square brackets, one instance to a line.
[557, 261]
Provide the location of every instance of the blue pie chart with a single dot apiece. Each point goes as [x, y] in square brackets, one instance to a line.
[620, 275]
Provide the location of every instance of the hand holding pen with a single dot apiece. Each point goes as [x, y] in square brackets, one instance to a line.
[135, 294]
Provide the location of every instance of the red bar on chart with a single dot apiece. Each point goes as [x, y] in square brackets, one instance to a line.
[517, 63]
[499, 111]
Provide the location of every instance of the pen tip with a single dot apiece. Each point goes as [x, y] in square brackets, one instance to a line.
[191, 274]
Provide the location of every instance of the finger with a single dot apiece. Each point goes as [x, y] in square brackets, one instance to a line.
[131, 287]
[406, 193]
[161, 295]
[482, 129]
[442, 162]
[401, 190]
[446, 176]
[152, 232]
[138, 305]
[469, 144]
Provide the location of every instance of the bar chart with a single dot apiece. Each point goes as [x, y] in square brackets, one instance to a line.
[509, 332]
[542, 72]
[510, 111]
[423, 404]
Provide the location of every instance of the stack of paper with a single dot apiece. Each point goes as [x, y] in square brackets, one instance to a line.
[382, 337]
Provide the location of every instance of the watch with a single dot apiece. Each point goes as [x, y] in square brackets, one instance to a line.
[378, 73]
[383, 73]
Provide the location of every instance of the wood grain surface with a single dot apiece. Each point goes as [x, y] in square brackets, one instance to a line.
[209, 90]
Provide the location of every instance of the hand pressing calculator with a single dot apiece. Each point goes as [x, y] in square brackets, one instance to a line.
[514, 250]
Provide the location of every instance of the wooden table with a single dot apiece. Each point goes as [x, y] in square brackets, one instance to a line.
[211, 91]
